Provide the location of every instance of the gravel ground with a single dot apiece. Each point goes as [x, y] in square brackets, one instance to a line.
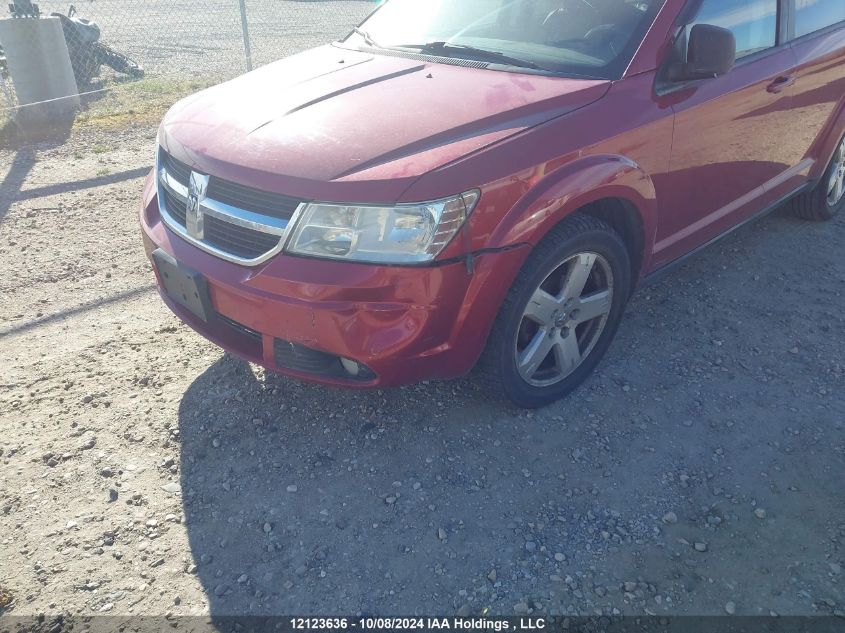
[142, 471]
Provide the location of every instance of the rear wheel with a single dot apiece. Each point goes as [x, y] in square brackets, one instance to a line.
[560, 315]
[828, 197]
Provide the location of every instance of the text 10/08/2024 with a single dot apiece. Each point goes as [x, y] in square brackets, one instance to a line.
[417, 624]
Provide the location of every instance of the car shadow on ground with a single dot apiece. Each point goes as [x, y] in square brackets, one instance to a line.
[305, 499]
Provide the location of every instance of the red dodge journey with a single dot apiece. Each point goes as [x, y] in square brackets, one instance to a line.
[464, 184]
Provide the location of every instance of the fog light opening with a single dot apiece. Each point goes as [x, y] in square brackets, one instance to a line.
[352, 368]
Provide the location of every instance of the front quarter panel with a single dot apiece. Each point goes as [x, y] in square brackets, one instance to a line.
[572, 187]
[617, 147]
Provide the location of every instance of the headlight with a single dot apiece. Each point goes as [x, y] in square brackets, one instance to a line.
[401, 234]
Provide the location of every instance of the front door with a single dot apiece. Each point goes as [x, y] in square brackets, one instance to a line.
[727, 149]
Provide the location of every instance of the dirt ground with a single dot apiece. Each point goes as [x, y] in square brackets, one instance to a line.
[142, 471]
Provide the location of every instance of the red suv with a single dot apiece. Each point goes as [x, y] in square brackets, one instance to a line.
[464, 183]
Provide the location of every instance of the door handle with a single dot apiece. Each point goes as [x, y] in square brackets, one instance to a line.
[780, 84]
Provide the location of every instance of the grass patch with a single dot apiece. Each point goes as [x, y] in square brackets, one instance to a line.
[143, 101]
[115, 105]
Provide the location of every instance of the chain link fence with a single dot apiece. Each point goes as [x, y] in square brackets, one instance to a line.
[206, 40]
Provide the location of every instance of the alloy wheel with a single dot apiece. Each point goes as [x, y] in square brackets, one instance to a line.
[836, 186]
[564, 319]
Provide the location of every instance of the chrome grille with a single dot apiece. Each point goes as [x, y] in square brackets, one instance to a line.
[240, 224]
[175, 206]
[180, 171]
[272, 204]
[237, 240]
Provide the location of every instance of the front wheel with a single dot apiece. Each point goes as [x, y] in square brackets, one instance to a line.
[560, 315]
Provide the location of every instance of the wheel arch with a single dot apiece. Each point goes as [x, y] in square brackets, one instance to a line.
[624, 218]
[612, 188]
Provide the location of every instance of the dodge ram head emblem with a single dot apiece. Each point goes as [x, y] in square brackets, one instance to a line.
[197, 189]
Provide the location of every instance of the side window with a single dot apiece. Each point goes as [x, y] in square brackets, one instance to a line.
[812, 15]
[754, 22]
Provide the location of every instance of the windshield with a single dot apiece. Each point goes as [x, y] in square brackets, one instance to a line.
[595, 38]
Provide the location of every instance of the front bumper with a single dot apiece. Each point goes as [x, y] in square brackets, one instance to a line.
[404, 324]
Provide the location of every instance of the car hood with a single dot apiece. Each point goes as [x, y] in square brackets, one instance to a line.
[338, 115]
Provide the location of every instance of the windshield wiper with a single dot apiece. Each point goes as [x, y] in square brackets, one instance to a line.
[367, 37]
[444, 48]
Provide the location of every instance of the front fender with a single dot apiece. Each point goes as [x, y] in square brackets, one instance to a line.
[573, 186]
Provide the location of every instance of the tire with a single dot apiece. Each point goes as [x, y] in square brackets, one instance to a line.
[556, 317]
[819, 204]
[119, 62]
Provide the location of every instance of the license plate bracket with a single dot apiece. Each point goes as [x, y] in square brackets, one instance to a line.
[185, 286]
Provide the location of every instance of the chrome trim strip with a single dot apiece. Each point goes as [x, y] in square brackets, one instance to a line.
[227, 213]
[246, 219]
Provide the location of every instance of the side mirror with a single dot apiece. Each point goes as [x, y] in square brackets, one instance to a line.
[711, 51]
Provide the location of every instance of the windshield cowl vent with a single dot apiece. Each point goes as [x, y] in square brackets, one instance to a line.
[421, 57]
